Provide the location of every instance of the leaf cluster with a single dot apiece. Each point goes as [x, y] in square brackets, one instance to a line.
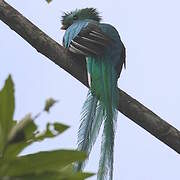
[15, 136]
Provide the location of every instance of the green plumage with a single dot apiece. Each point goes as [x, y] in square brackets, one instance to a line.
[104, 80]
[105, 56]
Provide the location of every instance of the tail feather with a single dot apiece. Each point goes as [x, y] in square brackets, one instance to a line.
[110, 116]
[97, 123]
[107, 149]
[104, 89]
[91, 120]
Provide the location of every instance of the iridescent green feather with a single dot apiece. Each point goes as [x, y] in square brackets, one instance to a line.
[91, 120]
[88, 115]
[105, 82]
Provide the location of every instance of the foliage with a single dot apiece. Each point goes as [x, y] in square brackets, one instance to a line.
[15, 136]
[49, 103]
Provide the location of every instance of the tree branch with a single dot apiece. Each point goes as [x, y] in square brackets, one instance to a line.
[76, 67]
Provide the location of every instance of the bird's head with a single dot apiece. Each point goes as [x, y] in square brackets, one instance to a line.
[68, 18]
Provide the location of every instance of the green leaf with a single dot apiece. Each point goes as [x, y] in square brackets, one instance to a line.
[22, 131]
[59, 176]
[13, 150]
[69, 172]
[7, 106]
[39, 162]
[49, 103]
[46, 134]
[20, 136]
[52, 130]
[24, 134]
[60, 127]
[53, 176]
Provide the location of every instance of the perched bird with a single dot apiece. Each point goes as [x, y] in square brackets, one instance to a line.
[104, 52]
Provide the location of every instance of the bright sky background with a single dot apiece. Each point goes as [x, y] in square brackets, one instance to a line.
[150, 32]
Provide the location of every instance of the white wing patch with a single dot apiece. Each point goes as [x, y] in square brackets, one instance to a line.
[89, 79]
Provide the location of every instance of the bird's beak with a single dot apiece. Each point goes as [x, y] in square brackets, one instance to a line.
[63, 27]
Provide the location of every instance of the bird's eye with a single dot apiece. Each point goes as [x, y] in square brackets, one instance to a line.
[75, 17]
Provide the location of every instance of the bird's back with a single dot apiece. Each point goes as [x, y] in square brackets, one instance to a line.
[117, 51]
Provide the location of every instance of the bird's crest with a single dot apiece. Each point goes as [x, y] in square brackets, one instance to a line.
[80, 14]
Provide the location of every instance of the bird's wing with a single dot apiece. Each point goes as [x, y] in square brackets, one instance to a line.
[90, 41]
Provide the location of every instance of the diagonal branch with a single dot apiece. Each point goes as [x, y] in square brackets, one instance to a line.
[75, 65]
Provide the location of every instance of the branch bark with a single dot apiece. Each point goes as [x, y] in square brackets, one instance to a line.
[75, 65]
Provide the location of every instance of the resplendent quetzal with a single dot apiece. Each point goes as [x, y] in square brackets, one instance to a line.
[105, 55]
